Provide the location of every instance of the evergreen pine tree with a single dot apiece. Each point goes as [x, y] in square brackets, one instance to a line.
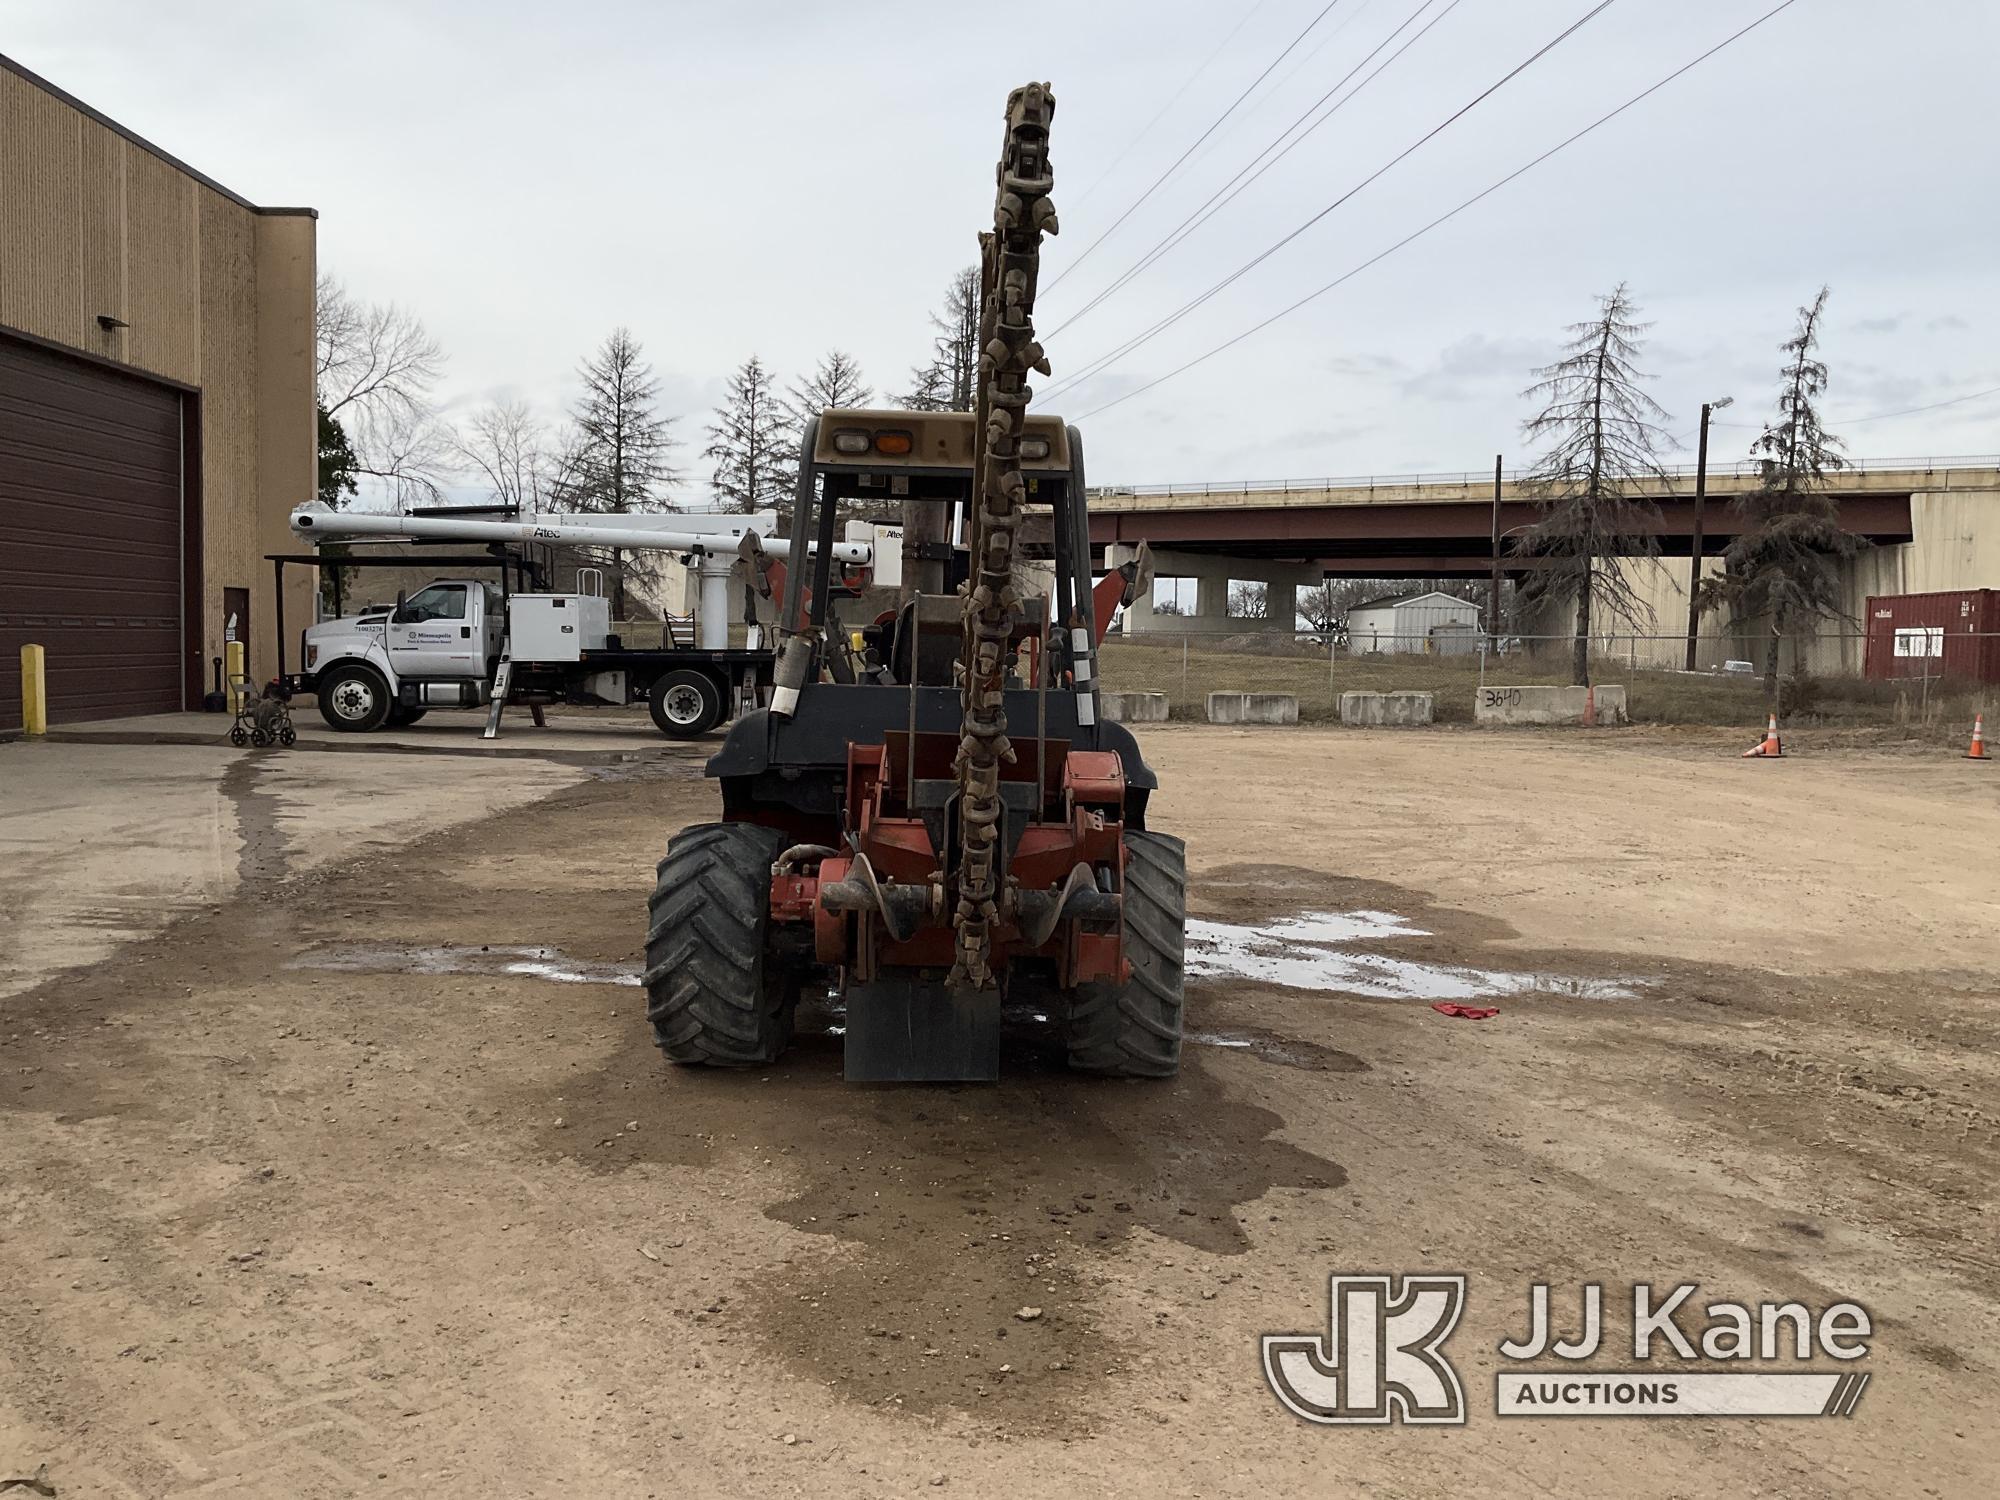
[752, 443]
[1603, 439]
[1786, 567]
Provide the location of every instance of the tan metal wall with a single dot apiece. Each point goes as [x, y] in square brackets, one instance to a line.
[218, 295]
[1956, 531]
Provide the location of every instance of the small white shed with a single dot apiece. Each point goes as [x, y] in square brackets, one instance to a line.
[1430, 624]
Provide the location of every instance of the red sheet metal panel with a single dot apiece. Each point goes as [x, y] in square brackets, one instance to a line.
[90, 536]
[1954, 634]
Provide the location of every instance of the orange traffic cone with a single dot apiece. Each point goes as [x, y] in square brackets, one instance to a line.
[1768, 748]
[1978, 750]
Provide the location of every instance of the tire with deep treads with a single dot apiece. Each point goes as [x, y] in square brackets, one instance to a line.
[711, 995]
[1133, 1030]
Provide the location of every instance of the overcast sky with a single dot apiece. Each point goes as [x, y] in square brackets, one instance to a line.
[782, 178]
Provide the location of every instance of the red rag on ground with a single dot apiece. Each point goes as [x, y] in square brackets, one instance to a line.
[1465, 1012]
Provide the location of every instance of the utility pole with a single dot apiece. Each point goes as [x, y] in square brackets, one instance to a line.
[1493, 589]
[1700, 497]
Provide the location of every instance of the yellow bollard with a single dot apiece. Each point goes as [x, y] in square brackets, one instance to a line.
[34, 692]
[232, 674]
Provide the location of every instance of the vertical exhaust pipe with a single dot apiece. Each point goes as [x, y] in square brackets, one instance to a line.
[795, 645]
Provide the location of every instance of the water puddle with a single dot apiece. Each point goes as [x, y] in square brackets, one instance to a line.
[1327, 927]
[1311, 951]
[1306, 953]
[529, 963]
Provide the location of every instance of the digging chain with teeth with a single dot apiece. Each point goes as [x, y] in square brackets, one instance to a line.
[1011, 256]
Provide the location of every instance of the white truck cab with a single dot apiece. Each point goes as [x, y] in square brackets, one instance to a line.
[463, 644]
[390, 663]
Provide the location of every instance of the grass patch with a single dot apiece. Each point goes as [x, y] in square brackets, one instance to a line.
[1188, 673]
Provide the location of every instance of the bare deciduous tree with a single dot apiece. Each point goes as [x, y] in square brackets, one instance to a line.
[751, 443]
[376, 366]
[506, 445]
[1319, 605]
[1604, 439]
[409, 453]
[947, 381]
[1785, 568]
[371, 352]
[1248, 600]
[1324, 605]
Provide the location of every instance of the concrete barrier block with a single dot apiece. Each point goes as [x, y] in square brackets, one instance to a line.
[1385, 708]
[1252, 708]
[1546, 705]
[1133, 708]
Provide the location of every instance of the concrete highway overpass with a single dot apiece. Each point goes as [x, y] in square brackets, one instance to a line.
[1935, 524]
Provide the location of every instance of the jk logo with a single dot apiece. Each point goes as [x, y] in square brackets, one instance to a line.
[1380, 1359]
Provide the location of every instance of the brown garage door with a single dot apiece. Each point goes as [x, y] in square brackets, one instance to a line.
[90, 536]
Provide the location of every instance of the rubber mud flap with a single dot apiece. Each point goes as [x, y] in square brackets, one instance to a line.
[912, 1030]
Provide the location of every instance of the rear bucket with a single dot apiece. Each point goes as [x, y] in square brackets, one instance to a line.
[912, 1030]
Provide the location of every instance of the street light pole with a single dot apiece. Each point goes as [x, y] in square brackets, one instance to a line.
[1700, 497]
[1493, 590]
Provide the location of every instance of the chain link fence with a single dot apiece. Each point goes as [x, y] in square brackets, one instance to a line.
[1913, 680]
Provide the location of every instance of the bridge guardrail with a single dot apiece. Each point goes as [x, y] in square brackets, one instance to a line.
[1736, 469]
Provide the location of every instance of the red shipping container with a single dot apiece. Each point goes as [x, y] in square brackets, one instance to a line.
[1955, 634]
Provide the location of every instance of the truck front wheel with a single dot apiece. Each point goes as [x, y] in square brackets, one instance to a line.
[353, 698]
[685, 704]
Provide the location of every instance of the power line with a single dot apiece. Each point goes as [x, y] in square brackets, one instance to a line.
[1190, 150]
[1299, 64]
[1448, 215]
[1105, 362]
[1205, 213]
[1186, 84]
[1883, 416]
[1880, 416]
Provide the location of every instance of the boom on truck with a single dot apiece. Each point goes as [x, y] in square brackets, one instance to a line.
[931, 818]
[461, 643]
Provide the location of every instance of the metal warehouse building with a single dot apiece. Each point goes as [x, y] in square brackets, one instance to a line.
[1422, 623]
[156, 410]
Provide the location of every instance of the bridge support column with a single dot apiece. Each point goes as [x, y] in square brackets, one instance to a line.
[1191, 592]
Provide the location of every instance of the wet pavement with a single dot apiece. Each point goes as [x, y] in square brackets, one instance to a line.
[1323, 951]
[104, 844]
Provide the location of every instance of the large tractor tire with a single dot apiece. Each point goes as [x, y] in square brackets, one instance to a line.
[712, 994]
[1133, 1030]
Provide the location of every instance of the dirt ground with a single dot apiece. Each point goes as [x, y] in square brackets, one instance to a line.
[307, 1195]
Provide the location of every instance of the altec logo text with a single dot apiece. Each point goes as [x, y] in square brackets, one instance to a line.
[1382, 1357]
